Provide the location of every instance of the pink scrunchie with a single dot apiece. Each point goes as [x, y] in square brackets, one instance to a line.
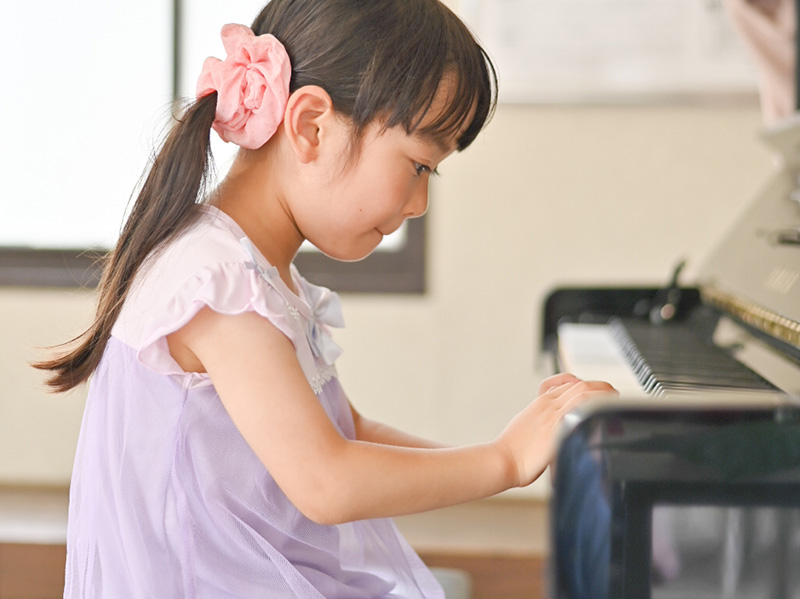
[252, 86]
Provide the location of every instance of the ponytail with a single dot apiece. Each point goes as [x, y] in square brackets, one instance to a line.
[165, 206]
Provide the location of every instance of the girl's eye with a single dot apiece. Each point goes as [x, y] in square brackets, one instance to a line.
[421, 169]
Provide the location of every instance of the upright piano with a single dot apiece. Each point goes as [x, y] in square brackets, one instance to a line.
[688, 485]
[737, 329]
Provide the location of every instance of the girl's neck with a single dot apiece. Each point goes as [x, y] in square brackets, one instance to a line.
[252, 198]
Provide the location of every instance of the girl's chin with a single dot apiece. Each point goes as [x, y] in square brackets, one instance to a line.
[352, 254]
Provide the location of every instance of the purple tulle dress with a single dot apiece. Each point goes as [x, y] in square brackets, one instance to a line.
[167, 499]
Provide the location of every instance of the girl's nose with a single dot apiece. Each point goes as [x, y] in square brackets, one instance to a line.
[418, 203]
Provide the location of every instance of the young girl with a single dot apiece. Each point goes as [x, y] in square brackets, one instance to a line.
[219, 456]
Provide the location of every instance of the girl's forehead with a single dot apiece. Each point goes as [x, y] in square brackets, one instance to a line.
[440, 141]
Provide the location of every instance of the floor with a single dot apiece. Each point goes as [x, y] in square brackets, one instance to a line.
[498, 577]
[501, 543]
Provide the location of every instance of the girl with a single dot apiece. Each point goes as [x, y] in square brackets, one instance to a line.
[219, 456]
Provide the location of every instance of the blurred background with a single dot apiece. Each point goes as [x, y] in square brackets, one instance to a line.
[626, 140]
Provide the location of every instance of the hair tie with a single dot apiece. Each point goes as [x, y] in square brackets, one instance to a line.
[252, 86]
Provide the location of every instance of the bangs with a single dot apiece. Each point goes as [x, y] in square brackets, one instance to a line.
[440, 49]
[469, 106]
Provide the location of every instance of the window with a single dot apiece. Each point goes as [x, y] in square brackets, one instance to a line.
[82, 133]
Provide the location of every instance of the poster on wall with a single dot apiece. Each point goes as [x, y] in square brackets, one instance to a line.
[567, 51]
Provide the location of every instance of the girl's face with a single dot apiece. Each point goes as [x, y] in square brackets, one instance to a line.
[363, 202]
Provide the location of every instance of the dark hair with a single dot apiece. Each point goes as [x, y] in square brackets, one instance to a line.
[379, 60]
[386, 59]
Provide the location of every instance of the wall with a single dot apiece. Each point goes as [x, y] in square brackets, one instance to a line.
[546, 196]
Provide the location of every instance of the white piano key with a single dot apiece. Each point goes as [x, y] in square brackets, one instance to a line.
[590, 352]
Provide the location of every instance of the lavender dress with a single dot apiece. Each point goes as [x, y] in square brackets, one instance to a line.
[167, 499]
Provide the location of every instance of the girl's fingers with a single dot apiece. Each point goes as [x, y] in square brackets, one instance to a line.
[577, 386]
[557, 380]
[586, 390]
[569, 395]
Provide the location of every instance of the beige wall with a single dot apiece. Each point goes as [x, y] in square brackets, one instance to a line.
[546, 196]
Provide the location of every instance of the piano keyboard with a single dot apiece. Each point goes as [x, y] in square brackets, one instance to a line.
[638, 358]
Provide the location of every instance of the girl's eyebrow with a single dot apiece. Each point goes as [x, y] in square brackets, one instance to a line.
[438, 141]
[429, 136]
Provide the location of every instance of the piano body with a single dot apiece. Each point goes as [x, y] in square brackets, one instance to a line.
[688, 485]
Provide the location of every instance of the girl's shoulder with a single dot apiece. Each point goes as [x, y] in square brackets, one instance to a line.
[214, 238]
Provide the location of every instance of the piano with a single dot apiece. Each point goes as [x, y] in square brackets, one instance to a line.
[688, 485]
[737, 329]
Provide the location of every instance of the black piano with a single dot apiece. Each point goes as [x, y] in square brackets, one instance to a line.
[688, 485]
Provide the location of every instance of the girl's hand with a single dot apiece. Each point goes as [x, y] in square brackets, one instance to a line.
[529, 440]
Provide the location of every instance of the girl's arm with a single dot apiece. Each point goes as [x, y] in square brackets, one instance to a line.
[378, 432]
[373, 431]
[329, 478]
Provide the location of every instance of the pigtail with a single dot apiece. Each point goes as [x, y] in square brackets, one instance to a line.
[166, 205]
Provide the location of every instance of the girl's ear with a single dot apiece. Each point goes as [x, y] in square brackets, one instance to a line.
[309, 114]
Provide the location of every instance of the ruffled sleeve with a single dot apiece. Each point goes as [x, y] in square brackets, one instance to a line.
[214, 264]
[226, 289]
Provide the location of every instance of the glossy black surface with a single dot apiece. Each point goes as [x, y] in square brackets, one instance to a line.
[692, 500]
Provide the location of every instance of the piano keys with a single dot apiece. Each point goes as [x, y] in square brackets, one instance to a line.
[640, 359]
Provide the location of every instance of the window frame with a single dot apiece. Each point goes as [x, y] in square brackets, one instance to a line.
[400, 271]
